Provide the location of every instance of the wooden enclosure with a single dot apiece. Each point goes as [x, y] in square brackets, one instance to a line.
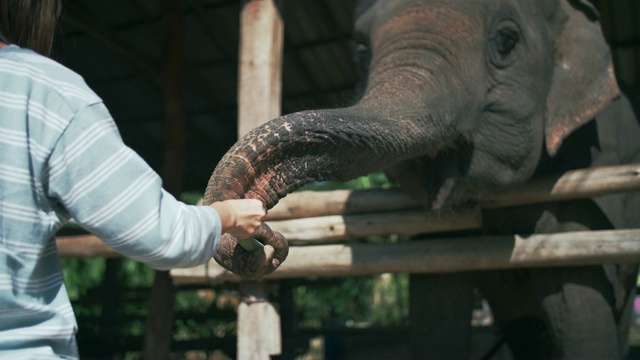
[309, 220]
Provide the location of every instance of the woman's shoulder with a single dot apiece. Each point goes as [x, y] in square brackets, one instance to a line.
[27, 66]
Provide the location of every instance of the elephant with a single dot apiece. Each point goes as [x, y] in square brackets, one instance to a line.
[457, 98]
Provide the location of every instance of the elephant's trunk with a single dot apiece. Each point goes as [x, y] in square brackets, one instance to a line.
[341, 144]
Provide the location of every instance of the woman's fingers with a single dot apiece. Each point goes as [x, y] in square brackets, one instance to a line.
[275, 240]
[257, 263]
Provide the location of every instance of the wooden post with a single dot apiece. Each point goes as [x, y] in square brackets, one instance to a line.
[159, 322]
[259, 93]
[260, 68]
[259, 334]
[111, 307]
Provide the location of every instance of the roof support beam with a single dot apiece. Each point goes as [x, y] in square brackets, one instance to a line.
[159, 321]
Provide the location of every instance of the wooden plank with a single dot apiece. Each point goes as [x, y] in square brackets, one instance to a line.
[442, 256]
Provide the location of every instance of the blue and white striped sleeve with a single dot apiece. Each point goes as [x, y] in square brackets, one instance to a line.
[112, 192]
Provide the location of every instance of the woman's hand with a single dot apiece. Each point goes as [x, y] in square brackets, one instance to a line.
[240, 217]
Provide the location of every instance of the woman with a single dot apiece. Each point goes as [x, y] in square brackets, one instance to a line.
[61, 157]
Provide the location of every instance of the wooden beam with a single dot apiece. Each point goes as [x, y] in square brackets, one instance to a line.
[84, 246]
[259, 100]
[259, 334]
[575, 184]
[307, 204]
[260, 64]
[175, 110]
[342, 227]
[321, 229]
[159, 322]
[442, 256]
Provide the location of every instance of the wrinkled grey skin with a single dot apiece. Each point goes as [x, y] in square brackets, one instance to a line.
[459, 97]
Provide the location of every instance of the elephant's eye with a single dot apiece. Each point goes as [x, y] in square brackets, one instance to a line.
[363, 58]
[506, 40]
[362, 53]
[502, 45]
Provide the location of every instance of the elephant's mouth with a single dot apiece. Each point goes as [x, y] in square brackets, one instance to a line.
[440, 180]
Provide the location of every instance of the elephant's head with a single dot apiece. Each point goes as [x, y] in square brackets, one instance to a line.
[457, 96]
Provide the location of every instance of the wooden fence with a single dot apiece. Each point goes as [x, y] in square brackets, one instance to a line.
[311, 219]
[316, 217]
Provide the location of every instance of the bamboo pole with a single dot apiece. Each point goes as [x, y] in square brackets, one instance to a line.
[442, 256]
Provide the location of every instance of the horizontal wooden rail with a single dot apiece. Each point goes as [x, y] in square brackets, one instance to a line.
[307, 204]
[343, 214]
[84, 246]
[408, 223]
[319, 229]
[442, 256]
[575, 184]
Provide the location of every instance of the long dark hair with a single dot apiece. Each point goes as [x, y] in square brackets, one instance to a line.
[29, 23]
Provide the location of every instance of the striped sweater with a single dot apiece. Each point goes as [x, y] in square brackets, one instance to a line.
[62, 157]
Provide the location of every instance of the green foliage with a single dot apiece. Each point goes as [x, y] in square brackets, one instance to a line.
[190, 198]
[135, 274]
[340, 303]
[390, 300]
[355, 301]
[80, 275]
[372, 181]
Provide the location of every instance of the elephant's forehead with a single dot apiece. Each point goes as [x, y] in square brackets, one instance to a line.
[455, 15]
[420, 26]
[447, 17]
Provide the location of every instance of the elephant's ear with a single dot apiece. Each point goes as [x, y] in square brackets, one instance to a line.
[584, 81]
